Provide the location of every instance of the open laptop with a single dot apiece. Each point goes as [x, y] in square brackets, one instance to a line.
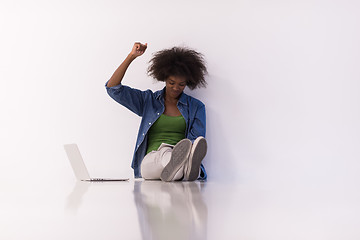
[78, 165]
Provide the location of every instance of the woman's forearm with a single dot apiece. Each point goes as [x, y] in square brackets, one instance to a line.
[137, 50]
[118, 75]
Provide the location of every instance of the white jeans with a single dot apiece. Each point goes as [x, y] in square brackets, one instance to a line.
[155, 161]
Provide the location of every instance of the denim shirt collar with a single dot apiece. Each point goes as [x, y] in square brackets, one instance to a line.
[160, 95]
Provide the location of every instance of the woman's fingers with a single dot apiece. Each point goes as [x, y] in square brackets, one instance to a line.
[139, 48]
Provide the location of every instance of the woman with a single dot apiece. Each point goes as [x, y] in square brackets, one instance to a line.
[171, 139]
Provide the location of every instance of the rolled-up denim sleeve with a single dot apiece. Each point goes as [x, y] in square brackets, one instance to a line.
[131, 98]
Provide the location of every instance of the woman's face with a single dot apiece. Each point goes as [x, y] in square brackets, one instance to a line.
[175, 85]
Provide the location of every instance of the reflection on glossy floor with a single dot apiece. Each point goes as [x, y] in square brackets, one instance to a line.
[181, 210]
[171, 211]
[164, 210]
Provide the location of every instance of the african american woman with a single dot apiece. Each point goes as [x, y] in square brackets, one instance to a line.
[171, 140]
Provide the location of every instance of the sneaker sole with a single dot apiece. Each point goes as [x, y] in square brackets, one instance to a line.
[179, 155]
[196, 156]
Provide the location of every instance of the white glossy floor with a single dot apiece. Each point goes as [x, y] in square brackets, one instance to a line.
[182, 210]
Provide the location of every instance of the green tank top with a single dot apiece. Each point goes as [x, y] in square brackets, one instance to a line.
[166, 129]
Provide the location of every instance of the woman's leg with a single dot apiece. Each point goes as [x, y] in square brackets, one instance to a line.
[154, 163]
[150, 167]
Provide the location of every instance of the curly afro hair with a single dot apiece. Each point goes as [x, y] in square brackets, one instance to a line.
[179, 61]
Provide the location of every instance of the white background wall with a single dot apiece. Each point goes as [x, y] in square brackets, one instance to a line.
[282, 97]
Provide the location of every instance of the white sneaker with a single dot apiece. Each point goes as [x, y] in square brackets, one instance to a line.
[179, 155]
[197, 154]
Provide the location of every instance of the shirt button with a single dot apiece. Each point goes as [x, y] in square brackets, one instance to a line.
[158, 113]
[149, 123]
[143, 134]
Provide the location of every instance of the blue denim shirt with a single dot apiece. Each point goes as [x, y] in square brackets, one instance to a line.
[150, 105]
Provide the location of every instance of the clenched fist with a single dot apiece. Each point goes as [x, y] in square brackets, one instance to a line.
[138, 49]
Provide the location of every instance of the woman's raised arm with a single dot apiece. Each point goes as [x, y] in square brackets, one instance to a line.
[137, 50]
